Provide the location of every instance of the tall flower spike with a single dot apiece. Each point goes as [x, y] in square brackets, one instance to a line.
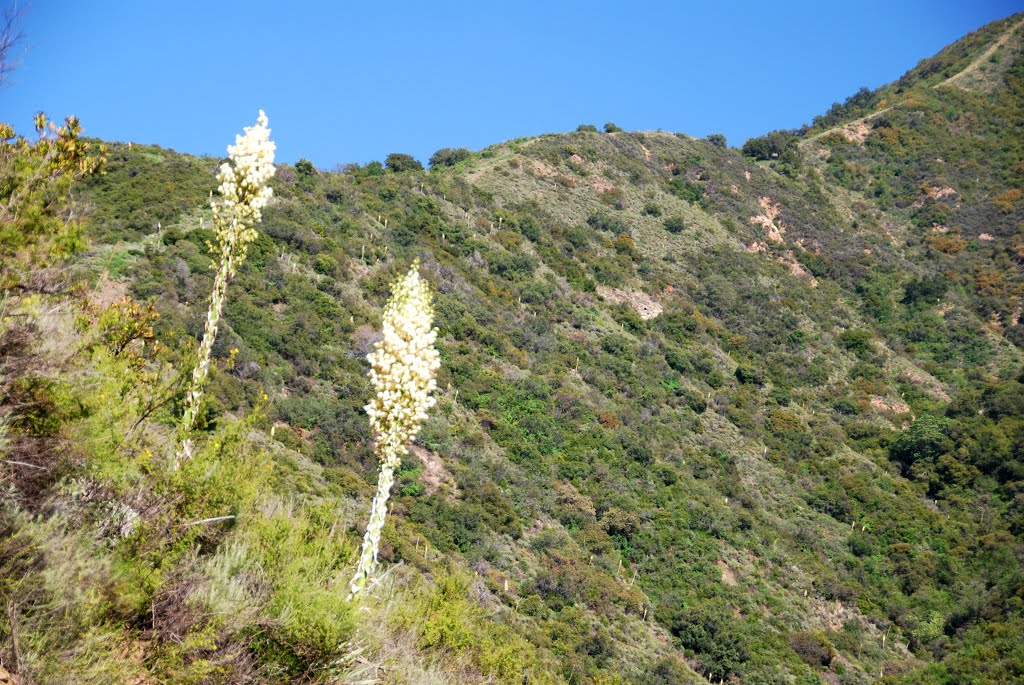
[403, 369]
[243, 193]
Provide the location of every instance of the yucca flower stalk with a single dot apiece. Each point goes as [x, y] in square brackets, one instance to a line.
[403, 369]
[243, 193]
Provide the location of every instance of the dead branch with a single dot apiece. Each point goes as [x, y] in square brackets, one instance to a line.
[215, 519]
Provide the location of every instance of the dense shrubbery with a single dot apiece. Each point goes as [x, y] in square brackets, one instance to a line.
[775, 145]
[717, 139]
[449, 156]
[399, 162]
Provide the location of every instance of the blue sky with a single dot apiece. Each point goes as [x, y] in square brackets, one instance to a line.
[351, 82]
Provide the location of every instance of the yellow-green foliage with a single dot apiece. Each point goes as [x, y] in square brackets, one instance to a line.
[446, 620]
[303, 557]
[125, 327]
[206, 547]
[60, 600]
[34, 181]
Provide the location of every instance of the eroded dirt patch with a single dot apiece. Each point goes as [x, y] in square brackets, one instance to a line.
[891, 406]
[774, 229]
[789, 261]
[434, 473]
[856, 132]
[645, 305]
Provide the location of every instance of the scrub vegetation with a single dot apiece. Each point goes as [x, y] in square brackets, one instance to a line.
[702, 413]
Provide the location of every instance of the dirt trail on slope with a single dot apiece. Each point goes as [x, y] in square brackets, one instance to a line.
[972, 77]
[851, 130]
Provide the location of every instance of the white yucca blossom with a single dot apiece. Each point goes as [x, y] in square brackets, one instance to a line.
[243, 193]
[243, 187]
[404, 365]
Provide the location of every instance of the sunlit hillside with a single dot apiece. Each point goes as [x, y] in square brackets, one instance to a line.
[704, 413]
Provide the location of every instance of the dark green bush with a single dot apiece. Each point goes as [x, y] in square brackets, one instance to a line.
[652, 209]
[399, 162]
[686, 190]
[449, 156]
[925, 439]
[717, 139]
[746, 373]
[606, 222]
[771, 146]
[675, 224]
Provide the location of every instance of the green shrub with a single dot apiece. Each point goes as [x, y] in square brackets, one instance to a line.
[675, 224]
[685, 190]
[448, 622]
[746, 373]
[813, 647]
[325, 264]
[306, 571]
[771, 146]
[606, 222]
[709, 629]
[449, 156]
[858, 341]
[926, 290]
[925, 439]
[717, 139]
[399, 162]
[652, 209]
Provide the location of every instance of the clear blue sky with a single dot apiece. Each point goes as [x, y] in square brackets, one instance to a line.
[353, 81]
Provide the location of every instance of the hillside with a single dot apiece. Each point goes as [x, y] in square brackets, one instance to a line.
[707, 414]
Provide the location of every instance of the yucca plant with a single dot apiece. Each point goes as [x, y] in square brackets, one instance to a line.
[243, 193]
[403, 369]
